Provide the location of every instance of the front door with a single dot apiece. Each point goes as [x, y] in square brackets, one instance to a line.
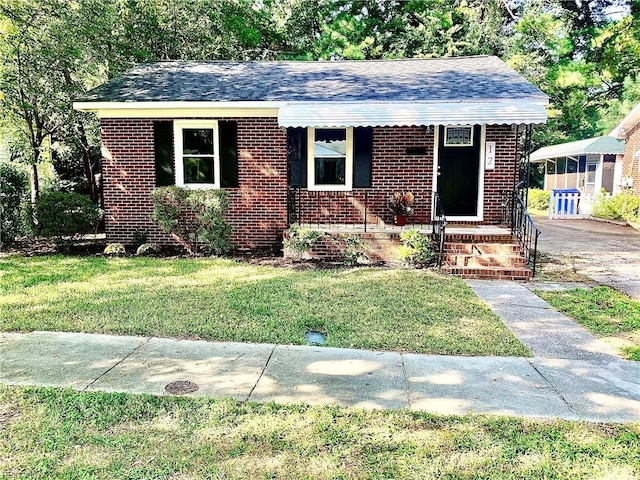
[458, 170]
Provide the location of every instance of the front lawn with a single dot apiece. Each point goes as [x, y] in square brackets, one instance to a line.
[62, 434]
[212, 299]
[605, 312]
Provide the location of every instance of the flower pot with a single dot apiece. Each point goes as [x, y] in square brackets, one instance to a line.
[399, 220]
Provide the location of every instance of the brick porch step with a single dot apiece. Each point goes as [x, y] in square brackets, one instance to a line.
[488, 273]
[465, 248]
[481, 260]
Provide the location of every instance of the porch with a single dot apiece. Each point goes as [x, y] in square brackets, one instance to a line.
[468, 250]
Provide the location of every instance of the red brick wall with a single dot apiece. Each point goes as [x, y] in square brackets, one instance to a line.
[395, 171]
[630, 165]
[502, 177]
[258, 211]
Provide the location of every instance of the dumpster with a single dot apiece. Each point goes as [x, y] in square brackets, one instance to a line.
[566, 200]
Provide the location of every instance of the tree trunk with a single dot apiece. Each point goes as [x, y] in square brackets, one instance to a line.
[87, 165]
[34, 181]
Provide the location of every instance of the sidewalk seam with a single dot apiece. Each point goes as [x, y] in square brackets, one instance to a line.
[406, 382]
[557, 392]
[146, 341]
[266, 364]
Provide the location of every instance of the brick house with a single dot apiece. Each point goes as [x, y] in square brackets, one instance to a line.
[314, 142]
[629, 130]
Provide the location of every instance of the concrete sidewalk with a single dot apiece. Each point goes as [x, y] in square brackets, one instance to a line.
[570, 376]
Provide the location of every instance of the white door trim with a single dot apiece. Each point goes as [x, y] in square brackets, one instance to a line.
[480, 207]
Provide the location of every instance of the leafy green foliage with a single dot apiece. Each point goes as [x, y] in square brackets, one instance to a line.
[624, 206]
[300, 239]
[416, 248]
[64, 216]
[538, 199]
[355, 251]
[193, 216]
[13, 185]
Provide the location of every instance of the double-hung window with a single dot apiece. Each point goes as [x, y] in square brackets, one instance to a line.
[330, 158]
[197, 154]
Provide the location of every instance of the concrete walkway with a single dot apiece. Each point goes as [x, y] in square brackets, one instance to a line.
[572, 375]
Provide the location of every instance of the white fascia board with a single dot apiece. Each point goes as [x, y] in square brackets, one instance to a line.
[178, 109]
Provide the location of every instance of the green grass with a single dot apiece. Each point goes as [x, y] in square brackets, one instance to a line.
[605, 312]
[61, 434]
[378, 309]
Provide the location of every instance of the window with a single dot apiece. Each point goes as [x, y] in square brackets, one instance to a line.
[330, 159]
[196, 153]
[458, 136]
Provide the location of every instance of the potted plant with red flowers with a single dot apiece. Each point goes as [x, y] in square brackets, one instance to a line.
[402, 207]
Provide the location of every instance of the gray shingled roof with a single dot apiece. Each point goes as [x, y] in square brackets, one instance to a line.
[454, 79]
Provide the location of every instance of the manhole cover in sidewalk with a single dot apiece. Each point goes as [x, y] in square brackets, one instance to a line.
[181, 387]
[315, 338]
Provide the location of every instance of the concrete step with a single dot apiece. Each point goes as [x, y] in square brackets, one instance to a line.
[488, 273]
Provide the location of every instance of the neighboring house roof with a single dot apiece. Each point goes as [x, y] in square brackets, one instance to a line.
[598, 145]
[627, 123]
[481, 89]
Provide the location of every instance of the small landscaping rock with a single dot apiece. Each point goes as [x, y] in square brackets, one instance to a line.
[148, 250]
[115, 250]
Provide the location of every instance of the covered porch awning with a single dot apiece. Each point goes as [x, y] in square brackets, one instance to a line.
[589, 146]
[341, 115]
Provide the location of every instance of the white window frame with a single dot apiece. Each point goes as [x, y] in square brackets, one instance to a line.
[311, 164]
[446, 129]
[178, 127]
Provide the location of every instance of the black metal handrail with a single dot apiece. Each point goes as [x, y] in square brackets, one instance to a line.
[439, 224]
[523, 228]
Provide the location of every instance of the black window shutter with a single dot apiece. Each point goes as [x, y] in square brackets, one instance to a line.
[297, 156]
[163, 146]
[362, 156]
[228, 136]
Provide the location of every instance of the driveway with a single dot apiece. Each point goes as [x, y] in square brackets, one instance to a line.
[607, 253]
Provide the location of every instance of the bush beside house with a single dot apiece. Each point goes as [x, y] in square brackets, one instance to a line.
[64, 216]
[624, 206]
[13, 188]
[193, 217]
[539, 199]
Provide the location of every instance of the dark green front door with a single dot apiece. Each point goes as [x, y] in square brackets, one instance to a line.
[458, 169]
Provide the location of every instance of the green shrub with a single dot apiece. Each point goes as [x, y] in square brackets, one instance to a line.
[623, 206]
[13, 187]
[416, 248]
[193, 216]
[64, 216]
[539, 199]
[355, 252]
[300, 239]
[139, 237]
